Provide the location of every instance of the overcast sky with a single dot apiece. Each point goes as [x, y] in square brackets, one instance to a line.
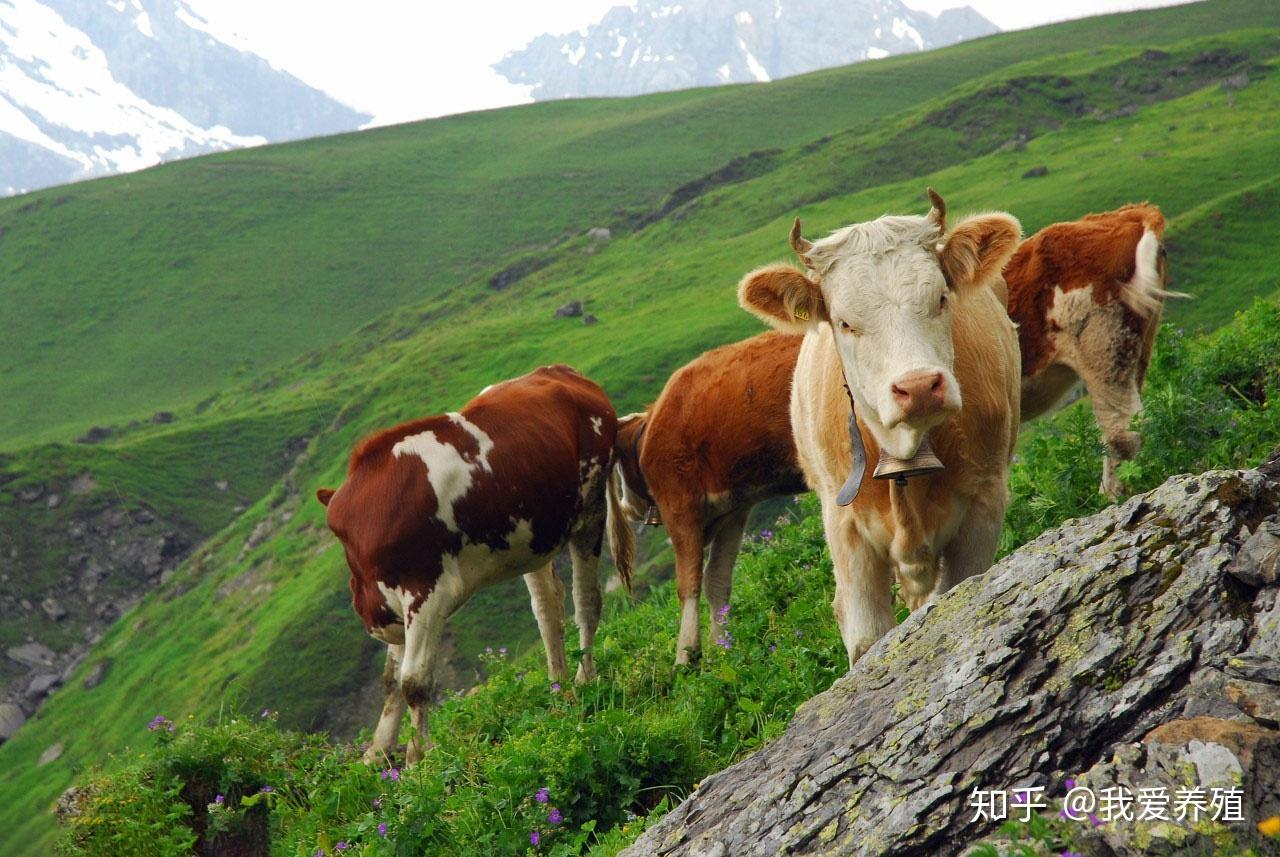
[410, 59]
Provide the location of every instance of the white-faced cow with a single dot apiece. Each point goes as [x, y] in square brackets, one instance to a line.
[435, 509]
[1087, 297]
[901, 311]
[715, 443]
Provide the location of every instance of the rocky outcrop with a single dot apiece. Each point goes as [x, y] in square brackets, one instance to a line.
[1139, 648]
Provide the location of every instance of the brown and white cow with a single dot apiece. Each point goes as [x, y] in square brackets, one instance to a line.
[435, 509]
[716, 442]
[901, 310]
[1087, 297]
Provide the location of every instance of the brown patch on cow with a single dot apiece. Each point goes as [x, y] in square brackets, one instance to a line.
[782, 296]
[324, 495]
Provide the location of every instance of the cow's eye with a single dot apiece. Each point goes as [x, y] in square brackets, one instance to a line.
[942, 301]
[850, 329]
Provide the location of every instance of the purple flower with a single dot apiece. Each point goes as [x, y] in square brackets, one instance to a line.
[1094, 820]
[1070, 853]
[555, 687]
[542, 795]
[772, 648]
[382, 829]
[266, 712]
[266, 790]
[725, 642]
[219, 800]
[555, 817]
[377, 803]
[392, 774]
[502, 650]
[488, 650]
[160, 722]
[341, 846]
[535, 837]
[1020, 797]
[1071, 784]
[723, 612]
[319, 853]
[766, 534]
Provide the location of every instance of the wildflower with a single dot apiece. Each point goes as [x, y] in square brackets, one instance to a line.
[555, 817]
[535, 837]
[555, 687]
[1094, 820]
[542, 795]
[1270, 826]
[160, 722]
[772, 648]
[766, 534]
[1070, 853]
[382, 828]
[1020, 797]
[392, 774]
[723, 612]
[319, 853]
[1070, 784]
[377, 803]
[502, 650]
[341, 846]
[220, 800]
[488, 650]
[725, 642]
[266, 712]
[266, 790]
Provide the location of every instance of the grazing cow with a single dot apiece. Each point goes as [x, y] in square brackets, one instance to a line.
[435, 509]
[1087, 297]
[715, 443]
[901, 311]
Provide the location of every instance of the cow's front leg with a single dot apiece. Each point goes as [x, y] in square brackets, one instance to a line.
[546, 594]
[424, 631]
[387, 734]
[973, 548]
[863, 604]
[725, 545]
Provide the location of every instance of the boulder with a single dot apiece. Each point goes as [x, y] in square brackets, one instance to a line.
[572, 309]
[52, 753]
[11, 717]
[1138, 646]
[31, 655]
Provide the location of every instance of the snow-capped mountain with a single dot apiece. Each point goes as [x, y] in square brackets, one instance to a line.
[91, 87]
[660, 45]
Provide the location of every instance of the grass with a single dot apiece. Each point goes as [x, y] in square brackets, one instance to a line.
[269, 625]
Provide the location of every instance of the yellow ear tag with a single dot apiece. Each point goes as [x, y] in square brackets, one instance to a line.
[802, 314]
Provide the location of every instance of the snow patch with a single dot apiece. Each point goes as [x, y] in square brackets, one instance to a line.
[143, 23]
[903, 30]
[757, 70]
[575, 56]
[622, 43]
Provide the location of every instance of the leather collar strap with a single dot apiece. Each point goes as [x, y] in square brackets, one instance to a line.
[849, 491]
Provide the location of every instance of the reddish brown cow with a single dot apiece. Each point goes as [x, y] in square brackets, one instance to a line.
[715, 443]
[435, 509]
[1087, 297]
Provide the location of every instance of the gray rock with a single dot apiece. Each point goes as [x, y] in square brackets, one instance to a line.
[572, 309]
[54, 501]
[31, 655]
[41, 685]
[1036, 172]
[1236, 81]
[1258, 562]
[162, 417]
[221, 485]
[11, 717]
[52, 753]
[599, 233]
[1068, 652]
[589, 319]
[53, 609]
[96, 673]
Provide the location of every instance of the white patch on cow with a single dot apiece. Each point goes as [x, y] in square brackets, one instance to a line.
[1145, 294]
[589, 472]
[596, 425]
[449, 473]
[486, 389]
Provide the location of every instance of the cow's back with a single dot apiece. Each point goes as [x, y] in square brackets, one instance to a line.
[723, 422]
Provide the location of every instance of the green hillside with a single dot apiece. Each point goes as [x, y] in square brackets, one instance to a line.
[337, 285]
[167, 285]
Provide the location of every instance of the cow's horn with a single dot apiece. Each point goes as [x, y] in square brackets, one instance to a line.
[939, 212]
[800, 244]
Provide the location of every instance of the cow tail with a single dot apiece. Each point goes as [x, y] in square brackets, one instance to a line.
[622, 540]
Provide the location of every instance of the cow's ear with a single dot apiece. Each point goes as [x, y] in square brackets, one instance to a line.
[783, 297]
[324, 495]
[979, 247]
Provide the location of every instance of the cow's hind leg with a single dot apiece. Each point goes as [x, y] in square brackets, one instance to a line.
[725, 544]
[546, 594]
[424, 631]
[387, 735]
[973, 548]
[685, 530]
[1115, 403]
[584, 550]
[863, 604]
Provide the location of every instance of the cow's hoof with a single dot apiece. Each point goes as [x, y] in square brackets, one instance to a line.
[585, 674]
[688, 658]
[375, 755]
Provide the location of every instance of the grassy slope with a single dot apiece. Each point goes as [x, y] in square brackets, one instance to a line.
[672, 281]
[166, 285]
